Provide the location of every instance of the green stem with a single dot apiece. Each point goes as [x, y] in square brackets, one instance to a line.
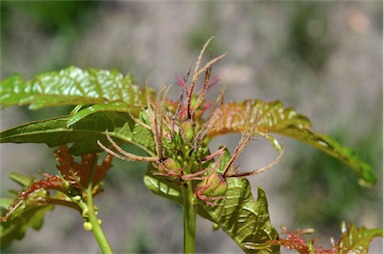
[189, 219]
[97, 231]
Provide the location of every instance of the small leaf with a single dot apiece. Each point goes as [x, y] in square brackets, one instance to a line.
[5, 203]
[21, 179]
[15, 228]
[273, 117]
[356, 240]
[353, 240]
[71, 86]
[29, 207]
[36, 194]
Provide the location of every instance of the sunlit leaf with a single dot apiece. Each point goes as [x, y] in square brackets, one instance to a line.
[356, 240]
[71, 86]
[243, 218]
[273, 117]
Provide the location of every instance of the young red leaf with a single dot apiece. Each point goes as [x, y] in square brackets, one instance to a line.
[78, 174]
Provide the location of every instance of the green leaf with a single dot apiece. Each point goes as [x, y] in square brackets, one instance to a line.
[243, 218]
[15, 228]
[71, 86]
[238, 215]
[83, 133]
[160, 186]
[31, 214]
[5, 203]
[356, 240]
[23, 180]
[273, 117]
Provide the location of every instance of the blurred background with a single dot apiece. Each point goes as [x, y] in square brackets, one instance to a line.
[322, 58]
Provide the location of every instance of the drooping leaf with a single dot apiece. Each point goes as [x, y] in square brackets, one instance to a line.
[83, 133]
[273, 117]
[238, 215]
[71, 86]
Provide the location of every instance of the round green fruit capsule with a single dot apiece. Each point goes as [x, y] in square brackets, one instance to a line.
[87, 226]
[214, 185]
[188, 131]
[170, 164]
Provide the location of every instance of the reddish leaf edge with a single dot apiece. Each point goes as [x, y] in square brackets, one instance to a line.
[352, 240]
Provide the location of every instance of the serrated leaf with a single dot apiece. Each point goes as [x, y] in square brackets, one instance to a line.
[243, 218]
[353, 240]
[83, 133]
[238, 215]
[356, 240]
[71, 86]
[273, 117]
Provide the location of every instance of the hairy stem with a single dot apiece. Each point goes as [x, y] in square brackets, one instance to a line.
[97, 231]
[189, 219]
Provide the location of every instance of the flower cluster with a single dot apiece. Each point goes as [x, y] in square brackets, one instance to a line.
[180, 136]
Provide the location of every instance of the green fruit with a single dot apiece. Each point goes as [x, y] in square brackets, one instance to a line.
[170, 165]
[214, 185]
[188, 131]
[87, 226]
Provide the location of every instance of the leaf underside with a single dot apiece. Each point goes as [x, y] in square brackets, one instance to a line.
[83, 134]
